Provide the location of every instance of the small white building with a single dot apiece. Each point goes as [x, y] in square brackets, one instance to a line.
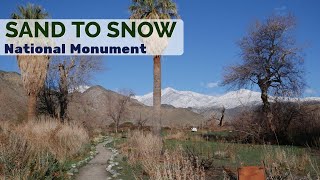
[194, 129]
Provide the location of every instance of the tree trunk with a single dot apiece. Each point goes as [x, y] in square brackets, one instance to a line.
[63, 85]
[265, 101]
[222, 116]
[267, 107]
[157, 93]
[116, 128]
[32, 105]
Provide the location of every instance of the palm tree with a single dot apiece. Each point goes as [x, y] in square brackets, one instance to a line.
[154, 9]
[33, 68]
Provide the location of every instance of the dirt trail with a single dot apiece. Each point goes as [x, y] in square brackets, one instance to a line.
[96, 168]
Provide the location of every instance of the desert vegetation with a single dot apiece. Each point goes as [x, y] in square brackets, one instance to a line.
[295, 124]
[280, 136]
[146, 149]
[40, 149]
[119, 108]
[180, 154]
[65, 75]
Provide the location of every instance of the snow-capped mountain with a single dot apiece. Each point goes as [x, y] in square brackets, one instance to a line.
[185, 99]
[80, 89]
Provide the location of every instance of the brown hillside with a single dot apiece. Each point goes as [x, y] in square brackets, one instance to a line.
[13, 99]
[90, 106]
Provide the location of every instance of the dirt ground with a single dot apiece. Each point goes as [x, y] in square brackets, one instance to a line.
[96, 168]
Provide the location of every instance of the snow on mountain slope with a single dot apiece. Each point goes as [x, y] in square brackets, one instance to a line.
[80, 89]
[185, 99]
[232, 99]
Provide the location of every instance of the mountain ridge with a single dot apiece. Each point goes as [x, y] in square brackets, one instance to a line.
[190, 99]
[89, 105]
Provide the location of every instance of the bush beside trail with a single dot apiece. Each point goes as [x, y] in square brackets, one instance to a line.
[39, 149]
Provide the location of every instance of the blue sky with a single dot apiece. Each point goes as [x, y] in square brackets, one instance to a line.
[211, 29]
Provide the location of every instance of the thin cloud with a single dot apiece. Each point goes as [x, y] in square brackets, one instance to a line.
[210, 84]
[310, 91]
[281, 10]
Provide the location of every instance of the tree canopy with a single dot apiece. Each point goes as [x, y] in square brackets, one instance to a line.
[270, 59]
[30, 11]
[153, 9]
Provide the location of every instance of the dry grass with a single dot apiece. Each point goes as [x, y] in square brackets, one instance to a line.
[62, 140]
[177, 135]
[146, 149]
[37, 149]
[282, 164]
[176, 165]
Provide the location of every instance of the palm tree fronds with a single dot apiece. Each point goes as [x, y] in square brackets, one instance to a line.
[153, 9]
[30, 11]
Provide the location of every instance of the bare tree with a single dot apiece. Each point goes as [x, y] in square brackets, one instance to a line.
[141, 122]
[271, 60]
[218, 116]
[64, 70]
[223, 110]
[118, 107]
[48, 99]
[67, 74]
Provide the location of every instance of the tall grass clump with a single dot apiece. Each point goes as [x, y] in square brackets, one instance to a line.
[39, 149]
[146, 149]
[177, 165]
[286, 164]
[62, 140]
